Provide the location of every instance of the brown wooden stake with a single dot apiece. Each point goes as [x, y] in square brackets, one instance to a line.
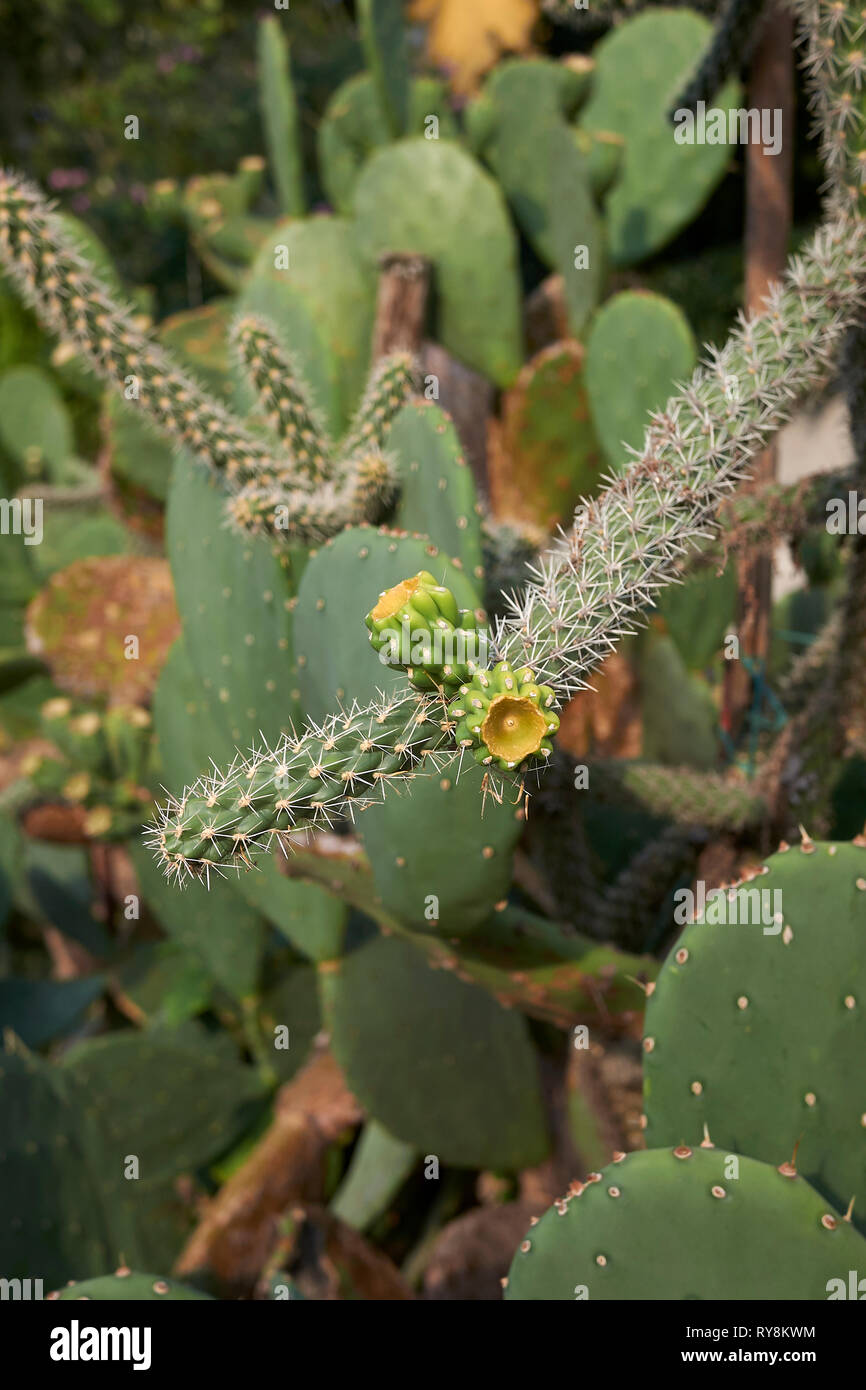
[767, 229]
[401, 307]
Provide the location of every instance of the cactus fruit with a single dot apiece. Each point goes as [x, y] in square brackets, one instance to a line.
[125, 1284]
[414, 628]
[663, 183]
[332, 641]
[505, 718]
[652, 335]
[686, 1224]
[720, 1007]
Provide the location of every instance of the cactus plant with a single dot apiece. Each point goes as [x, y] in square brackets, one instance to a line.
[126, 1284]
[685, 1223]
[662, 184]
[431, 198]
[653, 336]
[505, 717]
[280, 117]
[382, 1001]
[741, 1086]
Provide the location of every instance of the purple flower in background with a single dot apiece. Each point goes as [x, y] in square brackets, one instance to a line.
[68, 178]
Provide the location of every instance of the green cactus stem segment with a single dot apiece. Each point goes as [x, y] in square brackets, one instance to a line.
[304, 782]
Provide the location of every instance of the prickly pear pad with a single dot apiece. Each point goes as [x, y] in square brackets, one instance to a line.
[759, 1031]
[676, 1224]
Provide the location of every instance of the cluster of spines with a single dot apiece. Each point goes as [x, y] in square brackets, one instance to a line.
[391, 383]
[316, 491]
[306, 782]
[834, 33]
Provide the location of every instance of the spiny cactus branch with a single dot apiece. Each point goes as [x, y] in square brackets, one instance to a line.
[307, 781]
[591, 588]
[285, 398]
[74, 303]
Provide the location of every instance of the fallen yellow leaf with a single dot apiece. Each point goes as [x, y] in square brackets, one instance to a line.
[465, 38]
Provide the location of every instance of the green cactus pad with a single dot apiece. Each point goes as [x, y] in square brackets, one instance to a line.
[430, 198]
[576, 231]
[232, 593]
[504, 717]
[680, 720]
[604, 152]
[640, 69]
[676, 1224]
[437, 1062]
[404, 837]
[173, 1099]
[550, 457]
[354, 125]
[311, 270]
[124, 1284]
[437, 489]
[219, 928]
[526, 100]
[280, 116]
[51, 1212]
[760, 1034]
[35, 426]
[639, 347]
[383, 38]
[413, 615]
[335, 659]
